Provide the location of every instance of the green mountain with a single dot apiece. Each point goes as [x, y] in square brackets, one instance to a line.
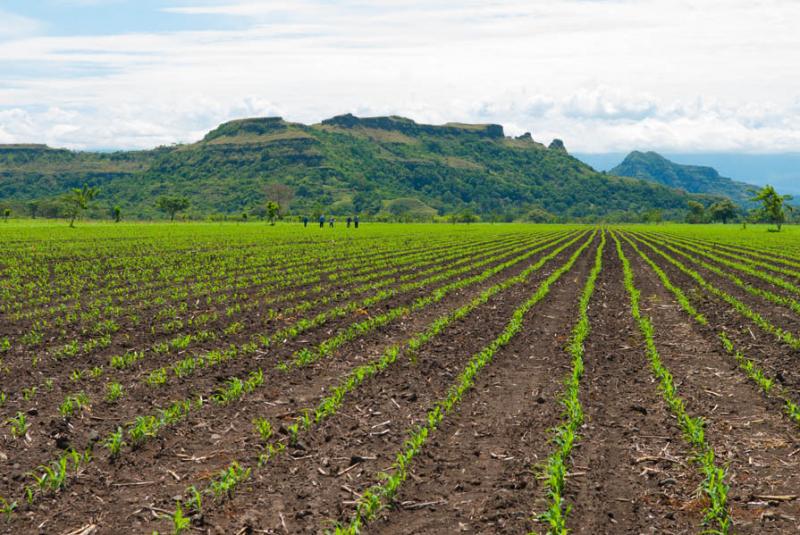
[690, 178]
[387, 166]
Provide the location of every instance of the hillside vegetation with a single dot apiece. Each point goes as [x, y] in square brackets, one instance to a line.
[691, 178]
[388, 166]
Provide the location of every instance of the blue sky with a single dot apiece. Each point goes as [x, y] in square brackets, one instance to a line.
[103, 17]
[604, 75]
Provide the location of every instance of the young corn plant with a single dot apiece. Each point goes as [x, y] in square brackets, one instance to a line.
[143, 427]
[157, 377]
[72, 404]
[180, 522]
[194, 504]
[19, 425]
[53, 477]
[7, 508]
[228, 479]
[114, 392]
[263, 428]
[114, 443]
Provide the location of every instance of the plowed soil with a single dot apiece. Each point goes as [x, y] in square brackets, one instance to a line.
[631, 469]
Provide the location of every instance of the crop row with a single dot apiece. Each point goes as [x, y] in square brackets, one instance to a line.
[146, 426]
[105, 317]
[182, 342]
[742, 308]
[768, 385]
[565, 434]
[714, 486]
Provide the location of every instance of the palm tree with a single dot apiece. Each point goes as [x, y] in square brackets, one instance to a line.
[78, 200]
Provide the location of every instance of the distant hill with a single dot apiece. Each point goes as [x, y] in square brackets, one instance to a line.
[691, 178]
[781, 170]
[388, 166]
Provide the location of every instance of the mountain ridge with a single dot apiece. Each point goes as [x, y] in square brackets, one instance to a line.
[345, 164]
[691, 178]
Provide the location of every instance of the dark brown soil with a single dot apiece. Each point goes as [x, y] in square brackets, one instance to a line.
[630, 471]
[282, 398]
[480, 473]
[632, 464]
[141, 398]
[748, 434]
[776, 359]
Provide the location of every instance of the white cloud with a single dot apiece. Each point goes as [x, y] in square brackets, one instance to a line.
[13, 25]
[603, 103]
[602, 75]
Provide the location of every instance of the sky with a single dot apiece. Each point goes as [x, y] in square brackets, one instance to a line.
[603, 75]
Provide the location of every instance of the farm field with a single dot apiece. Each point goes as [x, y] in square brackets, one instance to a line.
[242, 378]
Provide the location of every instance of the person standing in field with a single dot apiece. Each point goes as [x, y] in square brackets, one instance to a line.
[332, 220]
[349, 219]
[355, 220]
[321, 221]
[305, 220]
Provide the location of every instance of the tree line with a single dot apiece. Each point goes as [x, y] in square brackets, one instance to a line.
[72, 205]
[773, 209]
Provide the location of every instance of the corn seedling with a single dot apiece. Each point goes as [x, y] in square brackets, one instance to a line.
[19, 425]
[114, 392]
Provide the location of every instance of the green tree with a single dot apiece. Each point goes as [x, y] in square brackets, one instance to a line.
[78, 200]
[273, 210]
[33, 208]
[116, 213]
[366, 203]
[653, 216]
[467, 216]
[539, 215]
[697, 212]
[723, 211]
[773, 209]
[281, 194]
[6, 214]
[171, 205]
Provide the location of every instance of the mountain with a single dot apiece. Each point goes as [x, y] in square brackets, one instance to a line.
[691, 178]
[781, 169]
[388, 166]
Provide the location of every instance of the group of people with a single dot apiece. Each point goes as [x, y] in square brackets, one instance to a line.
[332, 220]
